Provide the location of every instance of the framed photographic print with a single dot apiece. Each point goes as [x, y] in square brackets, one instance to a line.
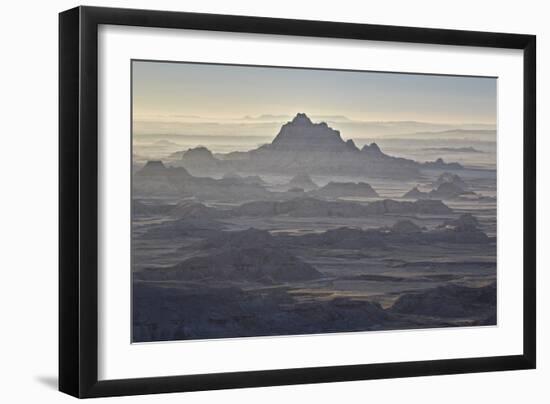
[251, 201]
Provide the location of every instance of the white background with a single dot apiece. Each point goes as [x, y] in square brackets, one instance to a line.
[28, 299]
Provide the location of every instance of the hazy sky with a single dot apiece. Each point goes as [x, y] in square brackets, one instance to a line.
[185, 92]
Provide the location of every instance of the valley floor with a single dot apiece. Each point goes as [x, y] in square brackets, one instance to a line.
[428, 278]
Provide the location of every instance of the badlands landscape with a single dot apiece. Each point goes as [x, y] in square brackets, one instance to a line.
[310, 233]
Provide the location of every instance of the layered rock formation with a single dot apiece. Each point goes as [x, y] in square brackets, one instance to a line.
[450, 301]
[451, 178]
[304, 146]
[301, 134]
[250, 256]
[302, 181]
[200, 161]
[415, 193]
[448, 190]
[156, 168]
[248, 179]
[156, 180]
[349, 189]
[447, 186]
[312, 207]
[439, 164]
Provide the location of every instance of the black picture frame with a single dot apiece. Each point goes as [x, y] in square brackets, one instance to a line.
[78, 201]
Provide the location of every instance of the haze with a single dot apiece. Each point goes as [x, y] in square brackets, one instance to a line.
[209, 99]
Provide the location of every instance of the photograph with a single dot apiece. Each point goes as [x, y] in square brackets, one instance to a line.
[244, 202]
[276, 201]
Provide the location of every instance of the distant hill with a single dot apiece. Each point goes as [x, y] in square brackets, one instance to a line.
[451, 178]
[440, 164]
[447, 186]
[449, 301]
[155, 179]
[239, 256]
[248, 179]
[346, 189]
[311, 207]
[156, 168]
[415, 193]
[454, 149]
[475, 133]
[302, 181]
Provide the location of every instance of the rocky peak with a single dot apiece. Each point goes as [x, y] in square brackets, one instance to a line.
[448, 190]
[351, 144]
[153, 167]
[455, 179]
[465, 222]
[302, 181]
[154, 164]
[373, 149]
[301, 134]
[301, 119]
[198, 152]
[199, 160]
[415, 193]
[441, 164]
